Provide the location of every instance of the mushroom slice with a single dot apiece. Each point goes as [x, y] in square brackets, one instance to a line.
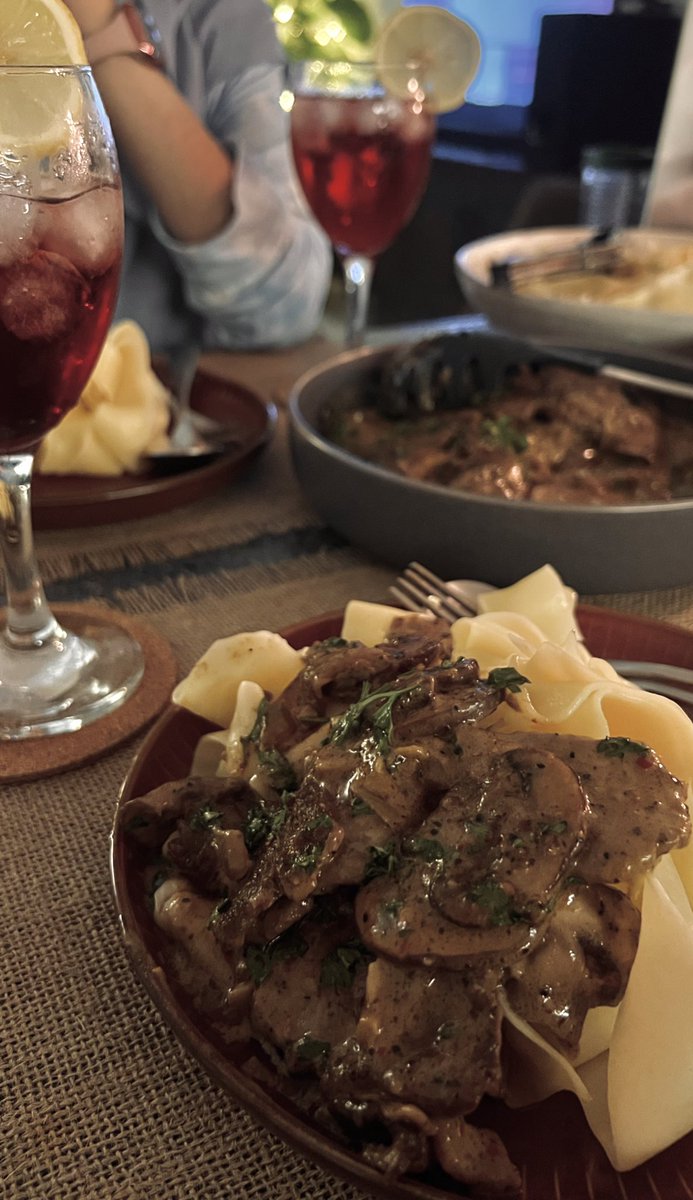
[583, 960]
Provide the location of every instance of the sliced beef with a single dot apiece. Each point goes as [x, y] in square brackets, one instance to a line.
[310, 989]
[549, 433]
[152, 817]
[428, 1038]
[402, 787]
[335, 674]
[583, 960]
[213, 858]
[446, 697]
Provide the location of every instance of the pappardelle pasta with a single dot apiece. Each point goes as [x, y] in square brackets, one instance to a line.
[410, 847]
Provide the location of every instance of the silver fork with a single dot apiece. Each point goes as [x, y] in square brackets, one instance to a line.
[420, 590]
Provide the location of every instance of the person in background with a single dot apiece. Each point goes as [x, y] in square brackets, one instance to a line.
[217, 235]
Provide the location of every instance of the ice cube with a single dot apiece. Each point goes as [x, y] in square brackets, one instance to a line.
[87, 230]
[41, 298]
[17, 221]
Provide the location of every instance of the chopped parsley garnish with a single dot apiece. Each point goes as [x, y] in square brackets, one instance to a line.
[261, 959]
[429, 849]
[279, 769]
[382, 860]
[497, 902]
[307, 859]
[618, 747]
[554, 827]
[478, 829]
[334, 643]
[311, 1049]
[205, 818]
[506, 678]
[381, 701]
[340, 965]
[259, 963]
[323, 821]
[256, 827]
[260, 721]
[504, 433]
[359, 807]
[262, 823]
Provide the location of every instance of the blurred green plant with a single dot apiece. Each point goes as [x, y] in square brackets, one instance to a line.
[331, 29]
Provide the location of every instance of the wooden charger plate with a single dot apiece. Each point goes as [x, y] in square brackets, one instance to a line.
[550, 1142]
[65, 501]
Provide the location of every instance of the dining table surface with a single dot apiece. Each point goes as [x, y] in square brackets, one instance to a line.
[98, 1099]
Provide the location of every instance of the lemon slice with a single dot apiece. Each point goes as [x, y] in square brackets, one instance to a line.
[37, 112]
[39, 33]
[427, 49]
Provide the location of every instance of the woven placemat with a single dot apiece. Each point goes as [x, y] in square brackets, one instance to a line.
[36, 757]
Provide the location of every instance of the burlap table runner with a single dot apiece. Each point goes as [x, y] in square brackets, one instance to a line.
[97, 1099]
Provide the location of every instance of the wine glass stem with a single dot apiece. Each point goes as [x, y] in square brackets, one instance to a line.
[30, 622]
[358, 272]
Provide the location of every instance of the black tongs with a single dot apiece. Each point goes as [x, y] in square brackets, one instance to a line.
[598, 253]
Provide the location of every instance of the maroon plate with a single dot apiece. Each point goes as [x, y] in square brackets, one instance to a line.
[65, 501]
[550, 1142]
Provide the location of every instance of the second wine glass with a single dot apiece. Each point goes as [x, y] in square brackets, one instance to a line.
[363, 158]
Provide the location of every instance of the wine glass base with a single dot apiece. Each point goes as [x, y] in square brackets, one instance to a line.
[74, 679]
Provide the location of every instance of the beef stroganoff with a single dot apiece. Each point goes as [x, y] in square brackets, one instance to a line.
[421, 865]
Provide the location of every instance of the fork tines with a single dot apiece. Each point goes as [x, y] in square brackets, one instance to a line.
[596, 254]
[418, 589]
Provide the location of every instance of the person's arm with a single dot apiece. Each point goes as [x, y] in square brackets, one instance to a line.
[185, 171]
[263, 280]
[257, 275]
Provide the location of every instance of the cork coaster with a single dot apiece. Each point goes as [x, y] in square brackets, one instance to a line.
[39, 756]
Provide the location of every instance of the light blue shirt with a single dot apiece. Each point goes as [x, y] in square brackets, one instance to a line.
[263, 280]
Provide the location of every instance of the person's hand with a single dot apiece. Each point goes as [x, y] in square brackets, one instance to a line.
[91, 14]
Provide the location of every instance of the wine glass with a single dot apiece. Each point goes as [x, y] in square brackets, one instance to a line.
[61, 238]
[363, 157]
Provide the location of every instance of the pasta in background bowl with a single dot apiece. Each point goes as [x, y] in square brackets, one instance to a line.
[630, 1072]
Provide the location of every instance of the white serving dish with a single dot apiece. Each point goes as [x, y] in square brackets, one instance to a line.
[609, 328]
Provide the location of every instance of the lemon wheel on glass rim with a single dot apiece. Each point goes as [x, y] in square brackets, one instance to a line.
[36, 33]
[428, 49]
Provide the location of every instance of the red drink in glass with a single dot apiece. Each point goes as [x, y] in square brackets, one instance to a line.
[61, 231]
[59, 272]
[363, 163]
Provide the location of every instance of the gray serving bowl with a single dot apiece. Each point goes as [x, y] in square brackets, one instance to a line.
[596, 549]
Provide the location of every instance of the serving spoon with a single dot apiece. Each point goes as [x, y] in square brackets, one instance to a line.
[193, 438]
